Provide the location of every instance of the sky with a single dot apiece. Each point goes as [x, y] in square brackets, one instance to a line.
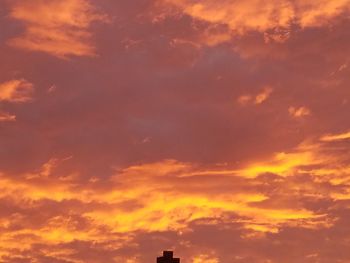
[216, 128]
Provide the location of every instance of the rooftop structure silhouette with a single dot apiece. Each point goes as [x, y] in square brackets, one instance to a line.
[168, 257]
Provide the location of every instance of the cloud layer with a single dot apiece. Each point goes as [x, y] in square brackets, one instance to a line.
[220, 131]
[276, 17]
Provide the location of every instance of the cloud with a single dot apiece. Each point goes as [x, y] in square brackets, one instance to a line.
[203, 258]
[336, 137]
[298, 112]
[263, 96]
[257, 99]
[276, 18]
[17, 90]
[178, 135]
[256, 205]
[4, 116]
[244, 99]
[62, 30]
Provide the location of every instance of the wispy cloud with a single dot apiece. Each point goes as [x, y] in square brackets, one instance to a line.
[336, 137]
[263, 16]
[17, 90]
[60, 28]
[299, 112]
[5, 116]
[219, 129]
[263, 96]
[257, 99]
[171, 196]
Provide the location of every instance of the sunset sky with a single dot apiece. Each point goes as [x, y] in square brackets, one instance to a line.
[219, 129]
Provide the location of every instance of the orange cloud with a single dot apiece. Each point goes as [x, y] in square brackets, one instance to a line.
[299, 112]
[4, 116]
[60, 28]
[147, 151]
[244, 99]
[170, 196]
[336, 137]
[282, 164]
[162, 203]
[264, 95]
[204, 258]
[257, 99]
[262, 16]
[17, 90]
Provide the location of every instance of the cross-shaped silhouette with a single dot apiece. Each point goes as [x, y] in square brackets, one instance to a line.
[167, 258]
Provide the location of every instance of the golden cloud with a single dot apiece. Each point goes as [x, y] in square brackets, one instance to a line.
[169, 196]
[60, 28]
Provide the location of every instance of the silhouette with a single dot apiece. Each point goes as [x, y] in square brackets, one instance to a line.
[167, 258]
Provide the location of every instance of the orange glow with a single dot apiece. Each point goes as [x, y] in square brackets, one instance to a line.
[204, 259]
[216, 129]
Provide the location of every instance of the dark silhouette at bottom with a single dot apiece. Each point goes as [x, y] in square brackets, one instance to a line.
[168, 258]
